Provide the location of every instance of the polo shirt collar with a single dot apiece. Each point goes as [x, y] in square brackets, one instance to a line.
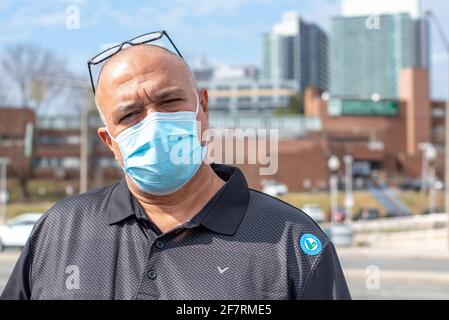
[231, 203]
[222, 214]
[121, 204]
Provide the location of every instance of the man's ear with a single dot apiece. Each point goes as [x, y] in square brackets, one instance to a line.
[204, 101]
[105, 138]
[204, 117]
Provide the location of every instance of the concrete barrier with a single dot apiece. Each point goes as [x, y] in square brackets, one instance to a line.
[409, 223]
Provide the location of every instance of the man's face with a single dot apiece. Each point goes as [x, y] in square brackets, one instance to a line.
[141, 80]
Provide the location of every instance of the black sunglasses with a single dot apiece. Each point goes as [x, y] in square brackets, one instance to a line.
[106, 54]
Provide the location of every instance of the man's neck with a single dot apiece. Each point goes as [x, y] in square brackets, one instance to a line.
[170, 211]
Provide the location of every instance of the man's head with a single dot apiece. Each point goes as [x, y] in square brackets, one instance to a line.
[140, 80]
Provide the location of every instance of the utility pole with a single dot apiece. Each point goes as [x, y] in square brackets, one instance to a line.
[85, 111]
[3, 188]
[84, 149]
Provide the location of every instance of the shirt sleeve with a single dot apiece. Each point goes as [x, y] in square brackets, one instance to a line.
[327, 281]
[18, 285]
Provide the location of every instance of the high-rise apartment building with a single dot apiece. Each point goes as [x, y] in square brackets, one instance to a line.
[296, 50]
[371, 42]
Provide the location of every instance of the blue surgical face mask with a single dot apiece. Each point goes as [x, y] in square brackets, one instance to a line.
[163, 151]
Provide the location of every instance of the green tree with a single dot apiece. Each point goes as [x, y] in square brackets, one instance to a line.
[295, 106]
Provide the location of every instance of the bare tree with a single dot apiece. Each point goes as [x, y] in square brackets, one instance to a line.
[2, 93]
[23, 63]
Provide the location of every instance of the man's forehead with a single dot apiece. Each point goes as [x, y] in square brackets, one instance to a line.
[139, 61]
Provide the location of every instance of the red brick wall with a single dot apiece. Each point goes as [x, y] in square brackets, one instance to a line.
[13, 123]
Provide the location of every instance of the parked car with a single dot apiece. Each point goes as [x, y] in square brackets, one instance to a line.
[15, 233]
[411, 184]
[314, 211]
[367, 214]
[275, 189]
[436, 210]
[397, 214]
[339, 216]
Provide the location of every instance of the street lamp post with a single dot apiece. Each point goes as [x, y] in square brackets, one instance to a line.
[430, 155]
[333, 164]
[349, 199]
[424, 167]
[443, 38]
[340, 233]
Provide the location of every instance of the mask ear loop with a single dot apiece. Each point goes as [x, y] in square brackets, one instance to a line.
[110, 135]
[197, 103]
[114, 139]
[196, 114]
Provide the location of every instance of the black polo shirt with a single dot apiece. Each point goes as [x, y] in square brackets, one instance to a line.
[242, 245]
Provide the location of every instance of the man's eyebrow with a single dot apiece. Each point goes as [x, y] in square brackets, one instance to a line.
[168, 93]
[123, 109]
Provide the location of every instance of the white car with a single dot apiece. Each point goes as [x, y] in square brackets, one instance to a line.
[15, 233]
[315, 212]
[276, 189]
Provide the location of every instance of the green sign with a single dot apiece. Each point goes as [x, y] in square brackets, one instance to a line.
[344, 107]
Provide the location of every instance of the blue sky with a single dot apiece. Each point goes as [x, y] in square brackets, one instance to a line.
[225, 31]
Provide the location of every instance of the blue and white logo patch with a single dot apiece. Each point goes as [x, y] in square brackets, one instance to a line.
[310, 244]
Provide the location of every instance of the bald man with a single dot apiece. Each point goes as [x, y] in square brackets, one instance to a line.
[174, 227]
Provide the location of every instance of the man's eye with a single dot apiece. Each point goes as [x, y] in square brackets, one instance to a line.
[130, 116]
[171, 100]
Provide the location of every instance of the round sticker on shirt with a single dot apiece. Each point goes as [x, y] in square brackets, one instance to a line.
[310, 244]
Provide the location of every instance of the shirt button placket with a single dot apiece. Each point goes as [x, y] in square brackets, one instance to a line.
[152, 274]
[160, 244]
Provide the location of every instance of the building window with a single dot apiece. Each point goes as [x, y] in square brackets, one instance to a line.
[47, 162]
[223, 99]
[73, 140]
[70, 163]
[106, 162]
[438, 112]
[223, 88]
[244, 99]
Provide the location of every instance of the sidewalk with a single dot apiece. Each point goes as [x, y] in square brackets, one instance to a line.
[434, 254]
[400, 273]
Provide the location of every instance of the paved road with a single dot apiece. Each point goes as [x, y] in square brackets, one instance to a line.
[395, 263]
[7, 260]
[399, 277]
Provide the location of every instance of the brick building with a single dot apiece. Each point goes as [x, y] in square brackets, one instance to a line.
[13, 128]
[382, 136]
[387, 138]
